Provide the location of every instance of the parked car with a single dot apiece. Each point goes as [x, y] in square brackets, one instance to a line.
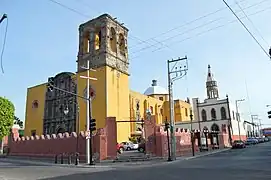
[129, 146]
[120, 147]
[260, 139]
[141, 147]
[238, 144]
[251, 141]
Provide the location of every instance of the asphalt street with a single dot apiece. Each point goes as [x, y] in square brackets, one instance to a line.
[252, 163]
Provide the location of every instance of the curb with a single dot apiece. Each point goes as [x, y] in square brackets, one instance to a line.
[207, 154]
[112, 165]
[57, 165]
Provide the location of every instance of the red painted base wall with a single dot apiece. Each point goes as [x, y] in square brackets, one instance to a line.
[236, 137]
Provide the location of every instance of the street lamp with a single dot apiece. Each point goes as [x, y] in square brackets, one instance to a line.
[238, 116]
[66, 110]
[192, 133]
[206, 131]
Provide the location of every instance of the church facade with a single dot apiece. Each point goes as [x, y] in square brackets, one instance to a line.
[102, 43]
[216, 114]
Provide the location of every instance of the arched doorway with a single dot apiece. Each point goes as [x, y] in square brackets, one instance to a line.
[204, 138]
[214, 136]
[215, 127]
[61, 130]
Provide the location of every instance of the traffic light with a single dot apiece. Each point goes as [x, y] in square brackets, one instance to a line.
[270, 52]
[50, 85]
[92, 125]
[269, 114]
[166, 126]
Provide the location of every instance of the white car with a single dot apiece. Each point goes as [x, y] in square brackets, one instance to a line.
[129, 146]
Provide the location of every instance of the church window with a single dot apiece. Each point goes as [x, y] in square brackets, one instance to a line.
[151, 109]
[186, 112]
[122, 44]
[113, 41]
[137, 106]
[223, 113]
[213, 114]
[203, 115]
[98, 38]
[35, 104]
[86, 41]
[33, 132]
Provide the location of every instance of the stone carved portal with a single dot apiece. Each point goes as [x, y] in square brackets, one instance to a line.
[55, 119]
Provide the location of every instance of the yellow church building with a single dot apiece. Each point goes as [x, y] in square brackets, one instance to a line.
[102, 43]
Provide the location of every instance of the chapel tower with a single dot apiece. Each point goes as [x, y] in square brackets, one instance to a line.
[211, 85]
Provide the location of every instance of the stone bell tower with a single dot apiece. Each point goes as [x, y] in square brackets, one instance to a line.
[103, 41]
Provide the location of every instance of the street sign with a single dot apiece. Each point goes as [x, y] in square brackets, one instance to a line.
[92, 93]
[88, 135]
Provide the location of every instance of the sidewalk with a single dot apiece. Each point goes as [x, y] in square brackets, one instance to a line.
[109, 164]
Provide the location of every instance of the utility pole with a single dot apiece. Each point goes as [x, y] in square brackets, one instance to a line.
[88, 114]
[179, 72]
[253, 117]
[261, 127]
[238, 116]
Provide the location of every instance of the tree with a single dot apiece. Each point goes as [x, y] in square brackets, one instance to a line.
[6, 116]
[18, 121]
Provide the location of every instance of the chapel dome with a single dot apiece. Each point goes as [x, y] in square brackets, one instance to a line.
[155, 90]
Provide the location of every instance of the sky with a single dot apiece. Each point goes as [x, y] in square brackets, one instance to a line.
[42, 40]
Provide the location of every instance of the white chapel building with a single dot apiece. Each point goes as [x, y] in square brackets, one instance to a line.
[215, 114]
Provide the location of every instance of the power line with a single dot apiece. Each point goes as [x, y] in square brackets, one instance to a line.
[172, 37]
[87, 16]
[133, 37]
[145, 41]
[252, 23]
[204, 32]
[4, 43]
[210, 22]
[71, 9]
[188, 23]
[246, 29]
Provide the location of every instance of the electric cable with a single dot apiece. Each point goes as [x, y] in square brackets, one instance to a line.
[246, 29]
[188, 23]
[204, 32]
[252, 23]
[210, 22]
[84, 15]
[4, 44]
[159, 42]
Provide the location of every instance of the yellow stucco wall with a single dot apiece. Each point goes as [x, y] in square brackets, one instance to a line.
[111, 100]
[118, 101]
[98, 103]
[34, 116]
[145, 102]
[181, 109]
